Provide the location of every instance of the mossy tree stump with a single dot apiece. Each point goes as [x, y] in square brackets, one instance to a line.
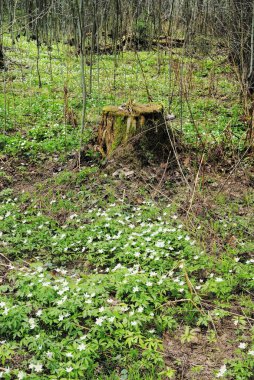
[131, 122]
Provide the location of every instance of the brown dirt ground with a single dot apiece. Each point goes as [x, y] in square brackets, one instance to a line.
[200, 359]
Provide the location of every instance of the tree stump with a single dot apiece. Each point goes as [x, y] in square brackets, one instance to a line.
[131, 122]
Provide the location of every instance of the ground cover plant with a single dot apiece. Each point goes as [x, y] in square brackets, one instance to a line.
[115, 269]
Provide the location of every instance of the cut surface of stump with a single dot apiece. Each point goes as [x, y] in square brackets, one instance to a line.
[131, 122]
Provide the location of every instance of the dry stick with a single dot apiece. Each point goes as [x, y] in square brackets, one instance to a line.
[149, 96]
[193, 120]
[6, 258]
[6, 265]
[195, 184]
[222, 186]
[207, 302]
[176, 156]
[246, 317]
[233, 169]
[169, 199]
[173, 302]
[201, 310]
[160, 192]
[163, 175]
[124, 192]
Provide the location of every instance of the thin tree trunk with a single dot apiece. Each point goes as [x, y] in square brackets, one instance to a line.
[2, 63]
[83, 77]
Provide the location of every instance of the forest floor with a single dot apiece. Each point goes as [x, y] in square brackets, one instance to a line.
[122, 269]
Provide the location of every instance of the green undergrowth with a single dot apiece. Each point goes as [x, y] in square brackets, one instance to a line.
[93, 284]
[95, 300]
[37, 121]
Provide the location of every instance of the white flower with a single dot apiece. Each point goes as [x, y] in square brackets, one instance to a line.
[242, 345]
[2, 304]
[46, 283]
[69, 369]
[7, 370]
[6, 311]
[134, 323]
[140, 309]
[39, 313]
[49, 354]
[219, 279]
[222, 371]
[101, 309]
[149, 283]
[82, 347]
[111, 319]
[83, 337]
[37, 367]
[60, 302]
[69, 355]
[99, 321]
[63, 290]
[32, 323]
[160, 244]
[21, 375]
[251, 353]
[135, 289]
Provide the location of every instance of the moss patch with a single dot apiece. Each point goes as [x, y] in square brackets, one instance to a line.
[133, 109]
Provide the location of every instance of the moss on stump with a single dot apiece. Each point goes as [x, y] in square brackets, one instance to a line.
[131, 122]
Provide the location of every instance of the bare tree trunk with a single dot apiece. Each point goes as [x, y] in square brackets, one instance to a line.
[2, 63]
[81, 16]
[251, 71]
